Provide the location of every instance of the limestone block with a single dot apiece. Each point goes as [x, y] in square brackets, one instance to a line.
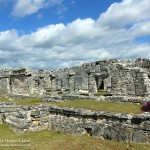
[140, 137]
[1, 118]
[35, 113]
[84, 91]
[18, 122]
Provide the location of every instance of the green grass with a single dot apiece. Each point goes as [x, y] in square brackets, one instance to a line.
[51, 140]
[87, 104]
[28, 101]
[102, 106]
[25, 101]
[102, 93]
[4, 99]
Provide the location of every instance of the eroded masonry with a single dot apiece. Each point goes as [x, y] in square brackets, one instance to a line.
[126, 78]
[123, 81]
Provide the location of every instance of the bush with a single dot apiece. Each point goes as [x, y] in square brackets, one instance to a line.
[146, 107]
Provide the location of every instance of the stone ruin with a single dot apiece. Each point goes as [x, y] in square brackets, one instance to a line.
[125, 78]
[127, 81]
[107, 125]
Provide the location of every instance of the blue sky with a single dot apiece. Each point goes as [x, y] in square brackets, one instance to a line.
[66, 12]
[53, 34]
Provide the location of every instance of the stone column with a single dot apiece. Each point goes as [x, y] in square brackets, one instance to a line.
[59, 84]
[53, 79]
[30, 84]
[71, 82]
[91, 83]
[5, 82]
[41, 85]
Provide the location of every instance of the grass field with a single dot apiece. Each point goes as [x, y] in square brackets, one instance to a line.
[28, 101]
[87, 104]
[102, 106]
[50, 140]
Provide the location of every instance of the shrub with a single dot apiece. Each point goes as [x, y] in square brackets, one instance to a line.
[146, 107]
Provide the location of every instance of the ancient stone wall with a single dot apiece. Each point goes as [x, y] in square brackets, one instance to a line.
[128, 78]
[116, 126]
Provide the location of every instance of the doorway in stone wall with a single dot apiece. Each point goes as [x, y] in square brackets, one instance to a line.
[101, 86]
[99, 83]
[10, 84]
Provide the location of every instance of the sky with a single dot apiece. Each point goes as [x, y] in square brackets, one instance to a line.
[54, 34]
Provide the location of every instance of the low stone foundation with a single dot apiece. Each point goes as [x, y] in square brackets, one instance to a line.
[123, 99]
[116, 126]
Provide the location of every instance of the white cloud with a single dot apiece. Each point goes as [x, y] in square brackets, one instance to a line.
[125, 13]
[141, 29]
[24, 8]
[83, 40]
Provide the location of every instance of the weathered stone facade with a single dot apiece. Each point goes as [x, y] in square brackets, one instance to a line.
[116, 126]
[128, 81]
[126, 78]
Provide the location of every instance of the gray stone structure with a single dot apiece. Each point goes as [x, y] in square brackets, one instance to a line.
[126, 78]
[107, 125]
[128, 81]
